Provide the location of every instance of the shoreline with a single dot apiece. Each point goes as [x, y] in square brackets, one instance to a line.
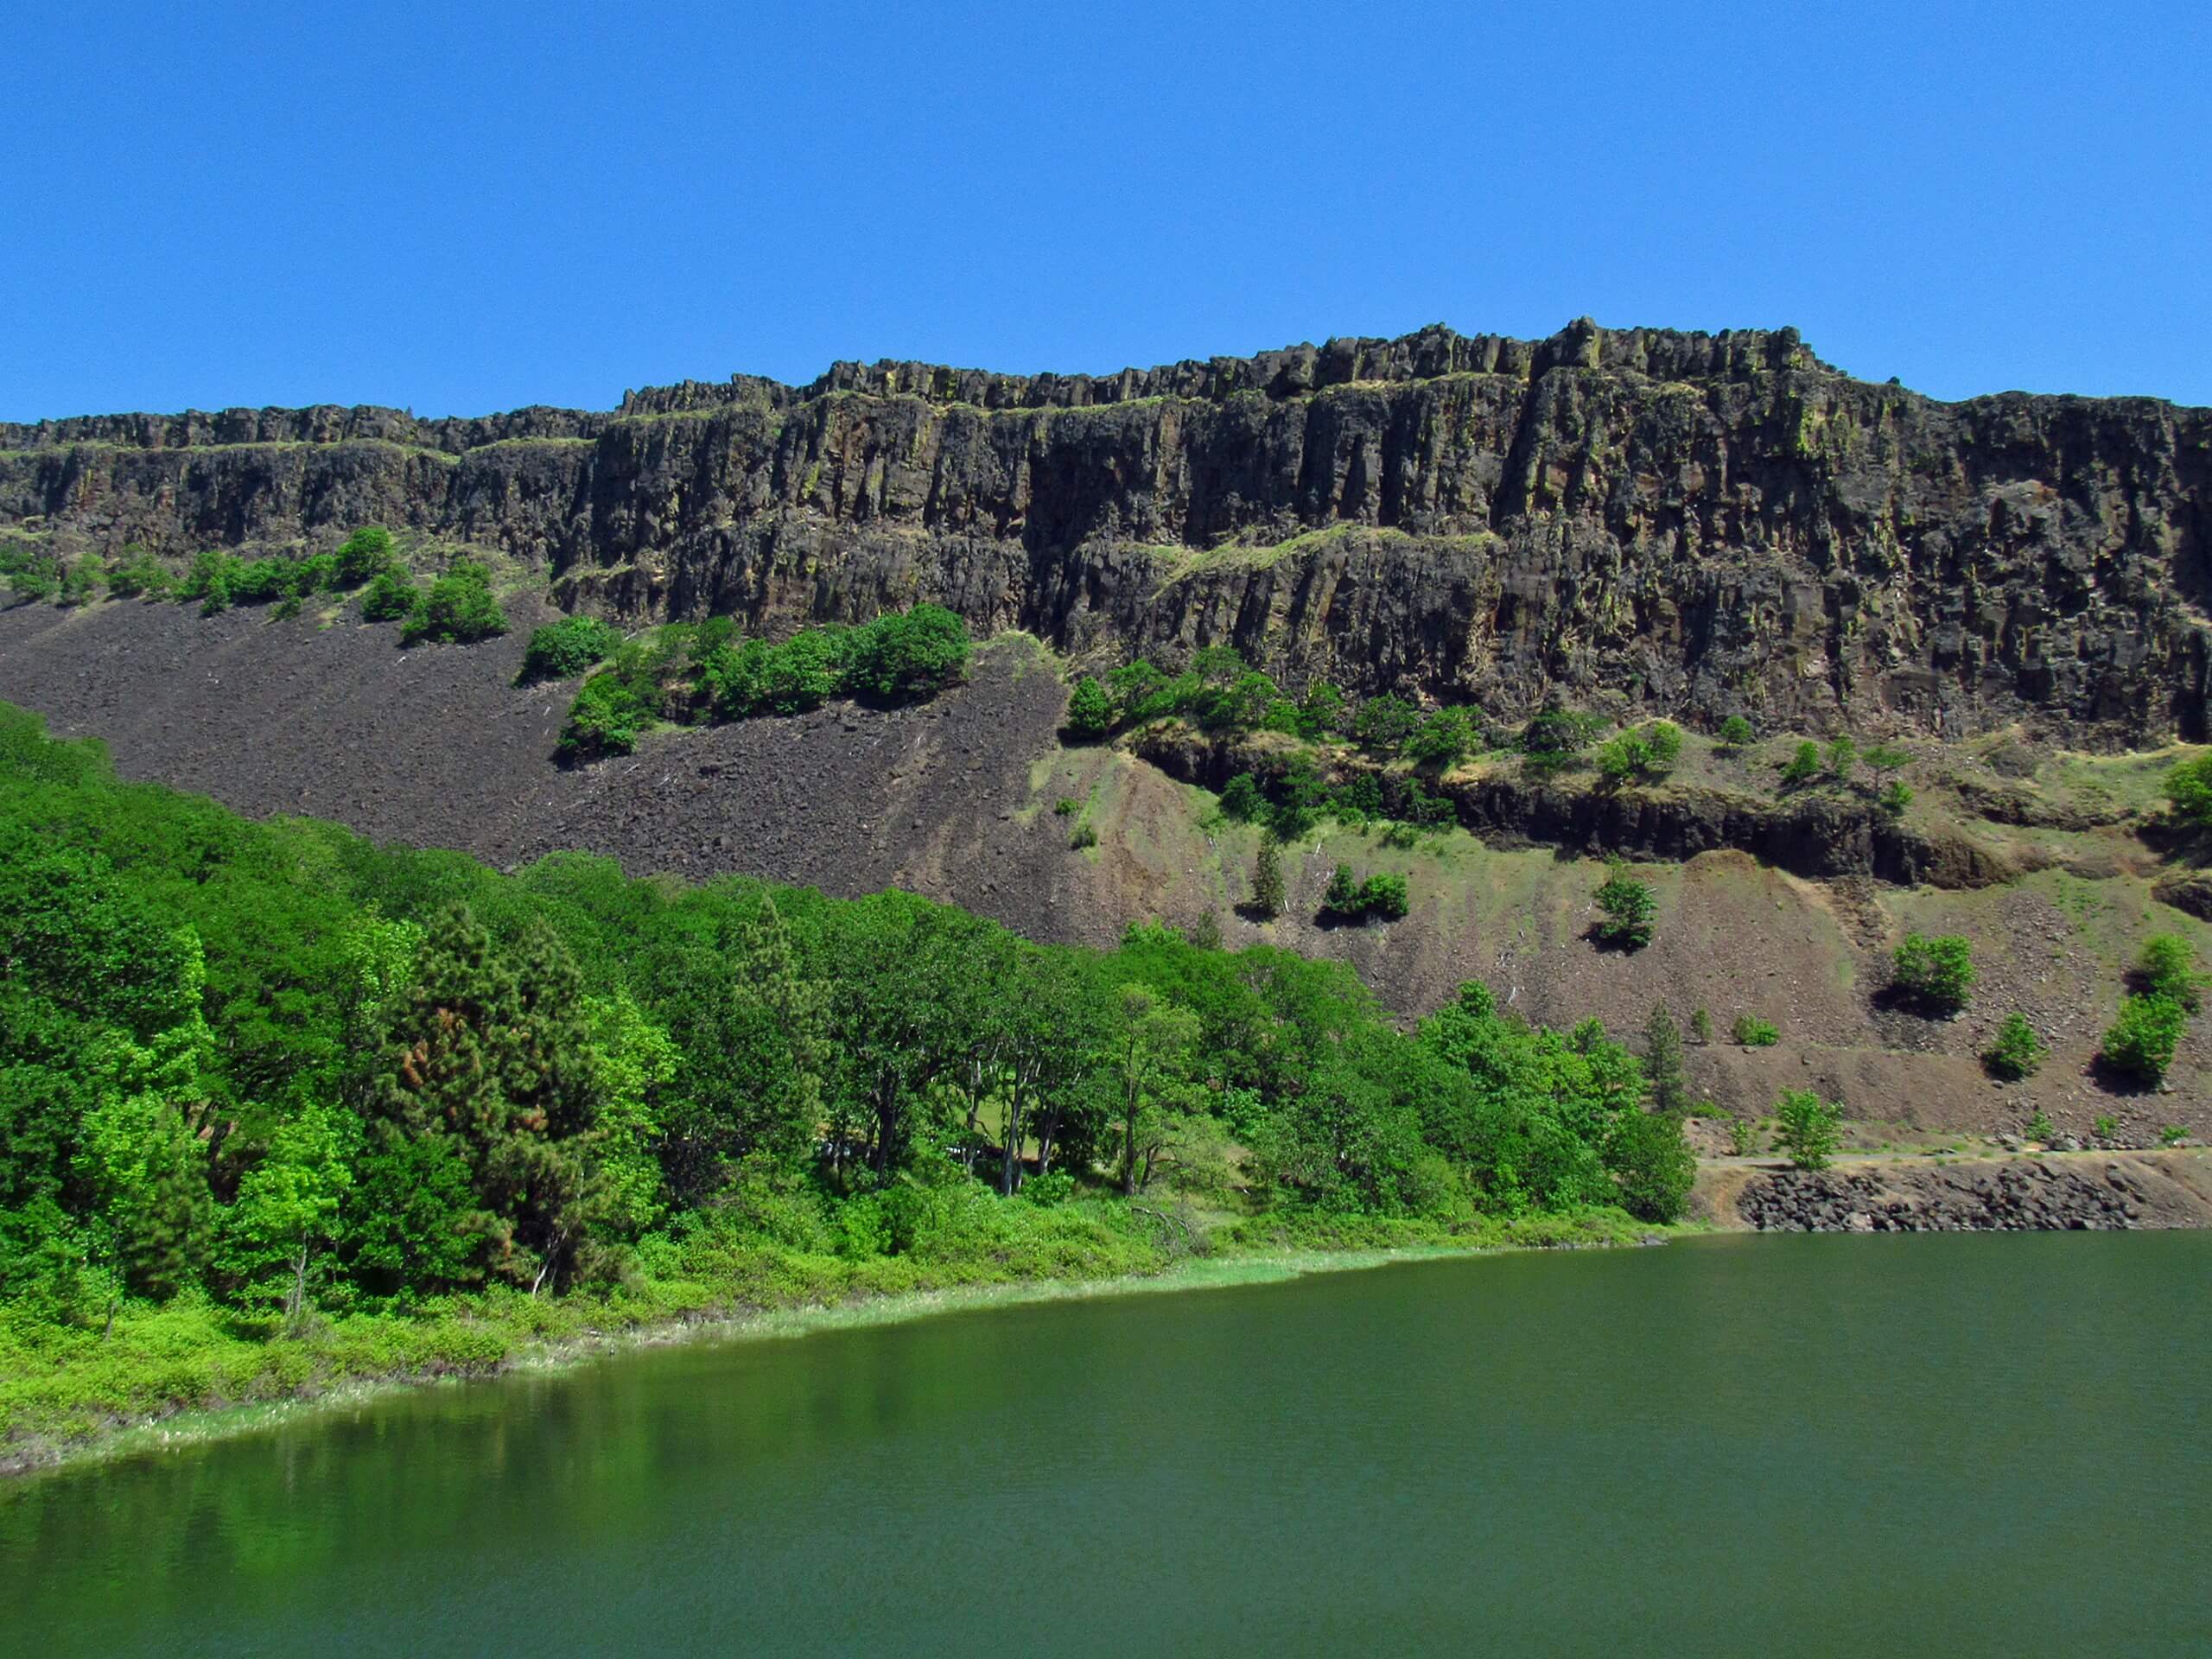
[198, 1425]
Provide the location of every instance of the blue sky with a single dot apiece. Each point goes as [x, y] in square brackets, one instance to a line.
[220, 205]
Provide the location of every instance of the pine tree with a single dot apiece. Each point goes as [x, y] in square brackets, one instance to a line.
[1662, 1063]
[493, 1055]
[1266, 881]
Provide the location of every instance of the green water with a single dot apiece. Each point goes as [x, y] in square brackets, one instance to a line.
[1778, 1447]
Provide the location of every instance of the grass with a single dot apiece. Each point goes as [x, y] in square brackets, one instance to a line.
[191, 1371]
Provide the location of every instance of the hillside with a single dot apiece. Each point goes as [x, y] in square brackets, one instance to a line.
[319, 715]
[1642, 521]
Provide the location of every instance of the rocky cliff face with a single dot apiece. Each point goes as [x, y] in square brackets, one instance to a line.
[1661, 522]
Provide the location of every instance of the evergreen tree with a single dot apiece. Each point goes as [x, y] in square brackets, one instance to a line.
[1662, 1064]
[1266, 881]
[492, 1054]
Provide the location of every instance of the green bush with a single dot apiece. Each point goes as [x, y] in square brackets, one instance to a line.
[1385, 724]
[1628, 911]
[2039, 1128]
[1752, 1032]
[1085, 836]
[569, 647]
[1843, 757]
[2189, 786]
[364, 556]
[1243, 800]
[2140, 1043]
[1803, 766]
[210, 579]
[1808, 1128]
[2167, 966]
[1091, 710]
[1442, 741]
[139, 574]
[1266, 881]
[605, 719]
[1341, 894]
[458, 609]
[2016, 1052]
[908, 656]
[1648, 751]
[1896, 796]
[804, 672]
[1937, 972]
[391, 596]
[1700, 1025]
[1385, 895]
[1736, 732]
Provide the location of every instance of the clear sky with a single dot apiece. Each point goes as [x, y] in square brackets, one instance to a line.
[465, 208]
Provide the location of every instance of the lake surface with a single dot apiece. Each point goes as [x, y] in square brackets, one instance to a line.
[1941, 1445]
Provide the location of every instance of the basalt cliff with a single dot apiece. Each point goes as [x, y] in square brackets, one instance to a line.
[1642, 521]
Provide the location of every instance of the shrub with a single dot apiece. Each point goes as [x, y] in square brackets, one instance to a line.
[1743, 1136]
[1648, 751]
[1091, 711]
[1628, 911]
[1735, 732]
[1937, 972]
[1808, 1127]
[1700, 1025]
[1321, 712]
[1343, 894]
[1385, 895]
[82, 581]
[2168, 968]
[1085, 836]
[1754, 1033]
[1442, 741]
[1802, 766]
[1843, 757]
[458, 609]
[1557, 735]
[2105, 1128]
[140, 574]
[569, 647]
[605, 719]
[2140, 1043]
[1242, 800]
[1266, 881]
[210, 579]
[364, 556]
[804, 672]
[2016, 1052]
[1882, 759]
[1385, 724]
[262, 581]
[1895, 797]
[2040, 1128]
[2189, 786]
[390, 596]
[1063, 808]
[908, 656]
[2170, 1134]
[317, 573]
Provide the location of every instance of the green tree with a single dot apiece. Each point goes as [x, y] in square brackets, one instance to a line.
[1937, 972]
[2017, 1052]
[489, 1054]
[1151, 1041]
[1810, 1127]
[1321, 712]
[1650, 1158]
[1442, 741]
[2167, 966]
[1628, 910]
[567, 647]
[1091, 710]
[1885, 760]
[1803, 766]
[286, 1215]
[1385, 724]
[1700, 1025]
[364, 556]
[908, 656]
[1752, 1032]
[1662, 1063]
[1843, 757]
[391, 596]
[457, 609]
[1342, 895]
[1384, 895]
[2189, 786]
[1736, 732]
[1266, 881]
[2140, 1043]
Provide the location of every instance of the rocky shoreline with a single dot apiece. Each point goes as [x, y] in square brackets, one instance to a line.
[2043, 1194]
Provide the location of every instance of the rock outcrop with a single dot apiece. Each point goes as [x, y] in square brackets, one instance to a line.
[1667, 523]
[2025, 1195]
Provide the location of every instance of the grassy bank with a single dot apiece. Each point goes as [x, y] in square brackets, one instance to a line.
[190, 1369]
